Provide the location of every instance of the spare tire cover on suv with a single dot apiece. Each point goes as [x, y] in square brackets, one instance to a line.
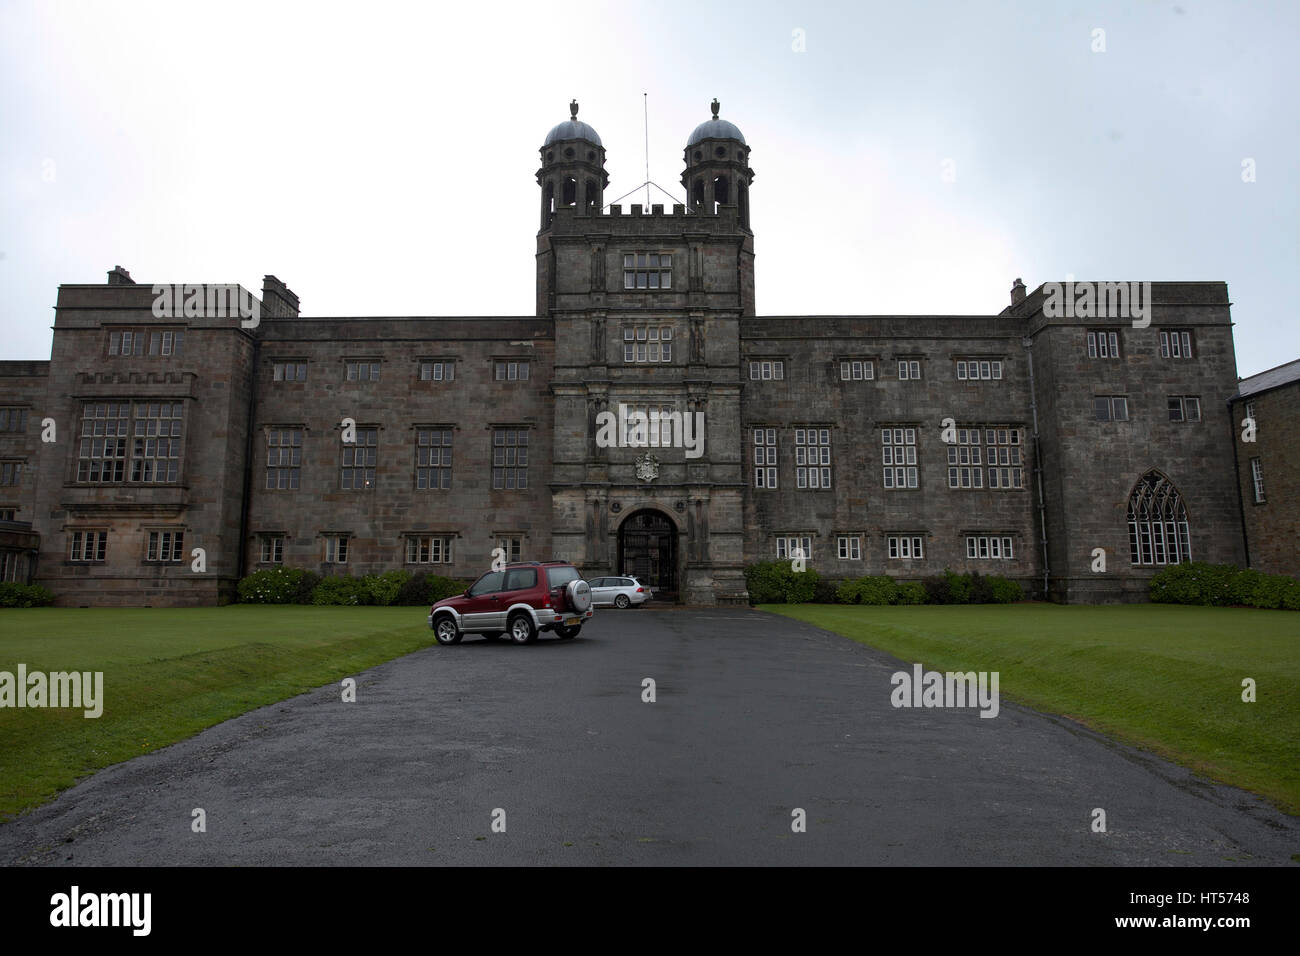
[579, 595]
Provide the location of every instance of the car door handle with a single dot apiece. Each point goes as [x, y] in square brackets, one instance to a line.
[492, 598]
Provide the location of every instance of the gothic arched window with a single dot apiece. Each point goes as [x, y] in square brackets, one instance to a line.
[1157, 522]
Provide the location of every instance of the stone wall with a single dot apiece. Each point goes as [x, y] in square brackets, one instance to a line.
[1272, 525]
[208, 379]
[378, 520]
[1091, 467]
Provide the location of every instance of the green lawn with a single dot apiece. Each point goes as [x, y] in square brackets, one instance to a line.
[169, 673]
[1165, 678]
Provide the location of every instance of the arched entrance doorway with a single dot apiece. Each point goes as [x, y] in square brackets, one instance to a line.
[647, 550]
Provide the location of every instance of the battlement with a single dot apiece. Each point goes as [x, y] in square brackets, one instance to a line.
[635, 218]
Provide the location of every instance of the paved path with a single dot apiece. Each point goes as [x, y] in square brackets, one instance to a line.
[756, 715]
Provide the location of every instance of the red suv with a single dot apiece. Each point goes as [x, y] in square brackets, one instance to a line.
[522, 600]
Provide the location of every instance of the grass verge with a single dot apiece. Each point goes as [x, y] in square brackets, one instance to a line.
[1162, 677]
[172, 672]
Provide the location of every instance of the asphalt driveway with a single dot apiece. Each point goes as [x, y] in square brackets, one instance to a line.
[755, 716]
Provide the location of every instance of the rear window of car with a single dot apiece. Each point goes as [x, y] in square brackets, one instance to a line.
[627, 582]
[558, 577]
[519, 578]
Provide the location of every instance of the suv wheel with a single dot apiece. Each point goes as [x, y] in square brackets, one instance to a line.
[522, 629]
[621, 601]
[445, 630]
[568, 632]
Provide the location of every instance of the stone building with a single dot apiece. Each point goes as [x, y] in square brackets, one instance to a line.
[1266, 421]
[196, 442]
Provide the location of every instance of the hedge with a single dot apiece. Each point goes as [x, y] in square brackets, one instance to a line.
[877, 590]
[25, 595]
[772, 582]
[278, 586]
[299, 586]
[1224, 585]
[427, 589]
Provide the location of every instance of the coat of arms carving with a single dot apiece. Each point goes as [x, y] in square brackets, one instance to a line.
[647, 467]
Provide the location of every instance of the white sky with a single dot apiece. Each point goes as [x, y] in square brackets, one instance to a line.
[380, 158]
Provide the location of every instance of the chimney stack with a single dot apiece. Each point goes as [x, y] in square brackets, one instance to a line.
[1018, 292]
[278, 301]
[119, 276]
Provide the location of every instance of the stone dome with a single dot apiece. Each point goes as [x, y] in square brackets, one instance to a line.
[715, 129]
[573, 128]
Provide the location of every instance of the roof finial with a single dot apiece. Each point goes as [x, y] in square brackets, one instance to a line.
[573, 109]
[716, 106]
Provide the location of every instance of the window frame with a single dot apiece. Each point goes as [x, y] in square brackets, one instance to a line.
[767, 472]
[367, 466]
[510, 370]
[812, 442]
[787, 543]
[1111, 407]
[445, 370]
[857, 370]
[905, 547]
[767, 370]
[849, 547]
[288, 371]
[13, 419]
[288, 469]
[909, 467]
[1177, 344]
[354, 367]
[164, 546]
[337, 548]
[435, 477]
[507, 469]
[272, 549]
[430, 549]
[637, 267]
[78, 545]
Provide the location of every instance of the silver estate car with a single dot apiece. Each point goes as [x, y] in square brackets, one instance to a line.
[620, 592]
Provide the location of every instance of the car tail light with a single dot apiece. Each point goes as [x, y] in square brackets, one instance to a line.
[640, 590]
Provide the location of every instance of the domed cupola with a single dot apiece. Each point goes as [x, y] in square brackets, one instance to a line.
[715, 129]
[573, 169]
[717, 168]
[572, 128]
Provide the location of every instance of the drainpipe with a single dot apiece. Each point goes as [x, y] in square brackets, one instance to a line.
[242, 565]
[1028, 343]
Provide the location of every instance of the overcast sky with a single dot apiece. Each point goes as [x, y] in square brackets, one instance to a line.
[380, 158]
